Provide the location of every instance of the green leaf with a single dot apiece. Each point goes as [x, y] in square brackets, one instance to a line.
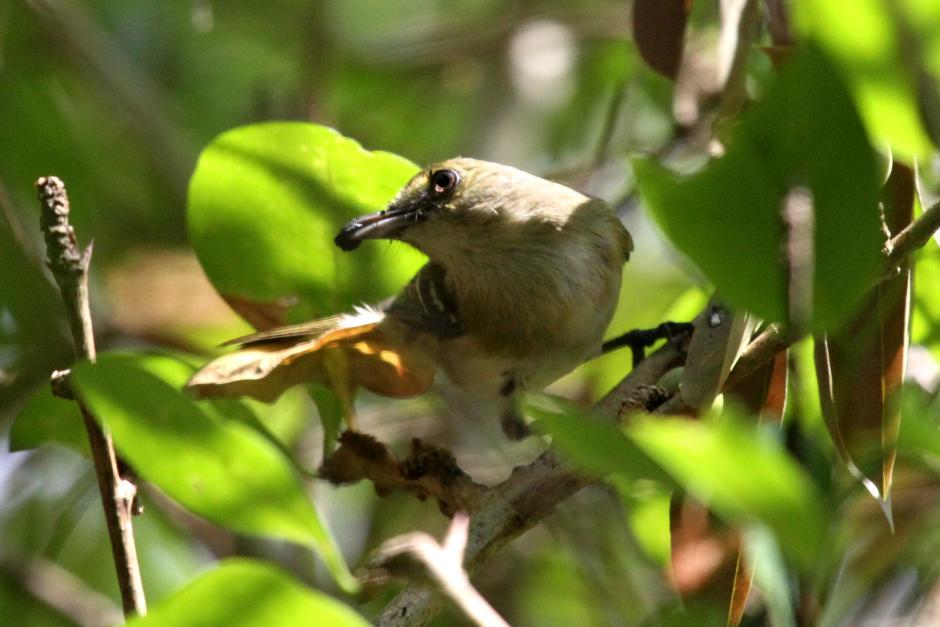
[648, 512]
[744, 477]
[248, 593]
[770, 575]
[592, 444]
[47, 419]
[925, 326]
[219, 468]
[728, 217]
[265, 203]
[875, 45]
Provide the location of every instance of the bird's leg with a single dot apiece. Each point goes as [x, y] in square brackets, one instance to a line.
[514, 426]
[640, 339]
[511, 420]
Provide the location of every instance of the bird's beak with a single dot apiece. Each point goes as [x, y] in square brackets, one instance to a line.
[383, 224]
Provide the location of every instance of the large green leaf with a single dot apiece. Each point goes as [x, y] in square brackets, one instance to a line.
[219, 468]
[885, 50]
[728, 218]
[742, 476]
[265, 203]
[46, 419]
[248, 593]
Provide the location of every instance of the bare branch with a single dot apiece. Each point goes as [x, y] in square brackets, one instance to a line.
[69, 267]
[444, 564]
[915, 235]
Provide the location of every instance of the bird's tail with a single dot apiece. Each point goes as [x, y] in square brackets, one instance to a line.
[344, 352]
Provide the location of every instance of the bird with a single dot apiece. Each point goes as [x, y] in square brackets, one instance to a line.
[522, 280]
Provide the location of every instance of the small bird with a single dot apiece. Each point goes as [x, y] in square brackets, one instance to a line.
[522, 279]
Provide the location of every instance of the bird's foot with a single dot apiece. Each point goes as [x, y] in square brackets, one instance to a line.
[640, 339]
[514, 426]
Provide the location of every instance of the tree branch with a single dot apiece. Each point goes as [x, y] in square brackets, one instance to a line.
[912, 237]
[530, 494]
[444, 563]
[69, 267]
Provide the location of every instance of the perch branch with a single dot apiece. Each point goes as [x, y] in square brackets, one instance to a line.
[912, 237]
[69, 266]
[530, 494]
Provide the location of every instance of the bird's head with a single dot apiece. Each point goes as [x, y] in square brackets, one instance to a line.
[465, 202]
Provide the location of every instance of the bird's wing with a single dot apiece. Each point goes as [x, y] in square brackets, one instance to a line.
[346, 351]
[427, 304]
[303, 331]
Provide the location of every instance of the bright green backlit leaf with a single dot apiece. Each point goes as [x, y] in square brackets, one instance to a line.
[925, 326]
[770, 574]
[739, 474]
[728, 217]
[873, 43]
[217, 467]
[265, 203]
[648, 512]
[248, 593]
[47, 419]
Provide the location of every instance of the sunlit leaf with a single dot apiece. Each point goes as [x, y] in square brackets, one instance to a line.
[248, 593]
[875, 46]
[740, 474]
[593, 444]
[740, 589]
[925, 326]
[728, 218]
[265, 203]
[648, 516]
[770, 574]
[217, 467]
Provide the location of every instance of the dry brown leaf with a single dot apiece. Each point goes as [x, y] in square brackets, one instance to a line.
[861, 367]
[720, 336]
[658, 30]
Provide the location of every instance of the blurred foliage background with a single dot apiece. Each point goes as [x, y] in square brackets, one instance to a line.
[119, 97]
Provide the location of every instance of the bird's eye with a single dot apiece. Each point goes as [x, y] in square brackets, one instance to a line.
[443, 182]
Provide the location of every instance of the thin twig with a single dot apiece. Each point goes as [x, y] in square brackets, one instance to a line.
[69, 266]
[915, 235]
[443, 563]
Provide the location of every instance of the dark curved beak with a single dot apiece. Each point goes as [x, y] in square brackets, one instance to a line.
[385, 224]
